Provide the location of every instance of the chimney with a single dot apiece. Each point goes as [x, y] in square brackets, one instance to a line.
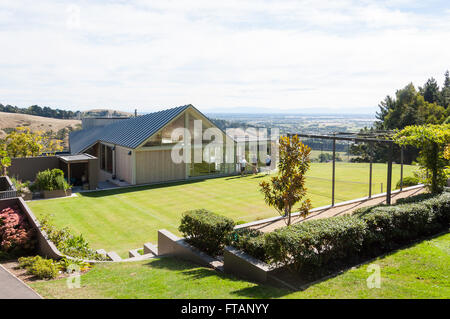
[135, 112]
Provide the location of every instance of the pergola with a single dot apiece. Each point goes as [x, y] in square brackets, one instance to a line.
[370, 138]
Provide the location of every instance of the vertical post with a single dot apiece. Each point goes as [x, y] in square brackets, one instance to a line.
[334, 172]
[68, 173]
[370, 170]
[401, 168]
[389, 174]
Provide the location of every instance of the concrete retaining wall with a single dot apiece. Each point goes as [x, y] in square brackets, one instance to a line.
[171, 245]
[240, 264]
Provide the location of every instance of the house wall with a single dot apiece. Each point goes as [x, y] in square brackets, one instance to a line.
[157, 166]
[123, 164]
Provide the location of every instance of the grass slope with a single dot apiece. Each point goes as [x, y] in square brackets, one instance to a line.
[420, 271]
[124, 219]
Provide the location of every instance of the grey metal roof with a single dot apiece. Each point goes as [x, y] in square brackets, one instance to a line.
[128, 133]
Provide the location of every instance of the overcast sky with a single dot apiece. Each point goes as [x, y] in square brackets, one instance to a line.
[343, 56]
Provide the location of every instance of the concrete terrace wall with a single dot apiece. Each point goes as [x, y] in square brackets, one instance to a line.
[171, 245]
[26, 168]
[239, 263]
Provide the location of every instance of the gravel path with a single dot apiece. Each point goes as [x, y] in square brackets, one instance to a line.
[337, 210]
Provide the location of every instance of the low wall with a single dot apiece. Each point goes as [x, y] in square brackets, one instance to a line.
[240, 264]
[7, 189]
[44, 247]
[171, 245]
[26, 168]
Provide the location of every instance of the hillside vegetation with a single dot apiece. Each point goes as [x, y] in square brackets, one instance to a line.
[59, 128]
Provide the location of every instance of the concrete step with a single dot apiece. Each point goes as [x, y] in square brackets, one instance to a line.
[113, 256]
[101, 252]
[134, 253]
[150, 248]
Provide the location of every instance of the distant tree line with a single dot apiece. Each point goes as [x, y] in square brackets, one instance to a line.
[40, 111]
[429, 104]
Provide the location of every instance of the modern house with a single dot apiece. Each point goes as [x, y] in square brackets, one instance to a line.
[137, 150]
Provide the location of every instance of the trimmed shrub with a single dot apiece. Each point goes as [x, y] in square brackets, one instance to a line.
[205, 230]
[414, 199]
[408, 181]
[365, 210]
[391, 226]
[40, 267]
[440, 209]
[251, 241]
[315, 243]
[50, 180]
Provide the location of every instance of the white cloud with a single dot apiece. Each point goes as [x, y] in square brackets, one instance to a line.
[153, 54]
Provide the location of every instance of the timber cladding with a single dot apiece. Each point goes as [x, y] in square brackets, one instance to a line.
[123, 164]
[157, 166]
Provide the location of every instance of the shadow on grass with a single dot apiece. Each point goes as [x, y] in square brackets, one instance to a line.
[131, 189]
[196, 272]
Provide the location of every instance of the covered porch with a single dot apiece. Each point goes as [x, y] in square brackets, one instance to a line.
[81, 171]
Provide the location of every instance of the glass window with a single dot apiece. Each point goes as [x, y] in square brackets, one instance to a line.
[165, 136]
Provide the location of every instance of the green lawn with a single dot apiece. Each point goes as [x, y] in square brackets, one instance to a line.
[343, 155]
[124, 219]
[420, 271]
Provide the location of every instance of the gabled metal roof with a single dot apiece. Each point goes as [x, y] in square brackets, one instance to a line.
[128, 133]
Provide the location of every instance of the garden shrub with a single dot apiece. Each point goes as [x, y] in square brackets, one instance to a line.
[205, 230]
[16, 235]
[315, 243]
[40, 267]
[67, 243]
[391, 226]
[367, 209]
[50, 180]
[414, 199]
[251, 241]
[440, 208]
[408, 181]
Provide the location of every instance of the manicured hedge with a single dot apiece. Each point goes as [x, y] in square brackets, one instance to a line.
[368, 232]
[317, 242]
[414, 199]
[251, 241]
[205, 230]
